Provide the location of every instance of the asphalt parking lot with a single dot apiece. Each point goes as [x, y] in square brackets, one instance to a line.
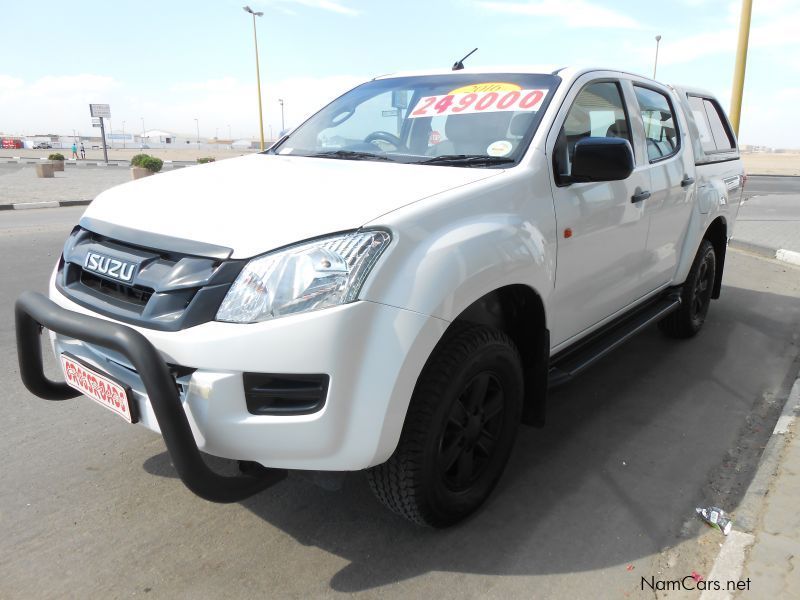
[605, 494]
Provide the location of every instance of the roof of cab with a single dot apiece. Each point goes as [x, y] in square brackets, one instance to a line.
[564, 72]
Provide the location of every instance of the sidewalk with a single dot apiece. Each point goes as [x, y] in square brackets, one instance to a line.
[770, 520]
[773, 560]
[77, 183]
[19, 183]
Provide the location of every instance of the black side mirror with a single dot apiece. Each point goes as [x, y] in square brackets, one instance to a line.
[602, 159]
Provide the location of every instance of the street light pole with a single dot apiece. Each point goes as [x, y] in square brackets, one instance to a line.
[142, 118]
[741, 63]
[283, 124]
[229, 133]
[197, 126]
[123, 134]
[258, 72]
[655, 64]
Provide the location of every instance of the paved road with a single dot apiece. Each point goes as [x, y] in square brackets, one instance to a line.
[759, 185]
[770, 217]
[90, 506]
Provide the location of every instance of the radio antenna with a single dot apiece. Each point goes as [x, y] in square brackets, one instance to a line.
[458, 65]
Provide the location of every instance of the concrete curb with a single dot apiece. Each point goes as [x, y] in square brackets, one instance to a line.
[788, 256]
[731, 559]
[50, 204]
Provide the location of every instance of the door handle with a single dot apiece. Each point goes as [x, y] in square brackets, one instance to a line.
[639, 196]
[687, 181]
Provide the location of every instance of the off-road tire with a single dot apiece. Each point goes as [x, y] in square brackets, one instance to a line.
[695, 296]
[416, 482]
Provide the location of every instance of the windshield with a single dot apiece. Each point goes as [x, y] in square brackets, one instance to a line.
[471, 120]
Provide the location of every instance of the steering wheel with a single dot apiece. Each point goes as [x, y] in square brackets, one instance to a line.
[385, 136]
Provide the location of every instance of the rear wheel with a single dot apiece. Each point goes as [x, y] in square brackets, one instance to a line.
[459, 430]
[696, 296]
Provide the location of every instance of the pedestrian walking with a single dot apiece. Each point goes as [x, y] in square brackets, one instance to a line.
[74, 151]
[83, 151]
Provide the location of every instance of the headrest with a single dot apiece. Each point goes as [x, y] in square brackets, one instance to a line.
[619, 129]
[484, 127]
[520, 123]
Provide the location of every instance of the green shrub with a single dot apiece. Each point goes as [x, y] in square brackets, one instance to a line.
[205, 159]
[56, 156]
[137, 159]
[152, 164]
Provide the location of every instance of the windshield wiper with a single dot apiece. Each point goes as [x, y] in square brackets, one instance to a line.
[350, 155]
[467, 160]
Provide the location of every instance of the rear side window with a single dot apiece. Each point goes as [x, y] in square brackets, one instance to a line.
[723, 137]
[660, 130]
[704, 129]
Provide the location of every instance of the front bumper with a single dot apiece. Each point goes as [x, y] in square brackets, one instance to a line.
[373, 354]
[33, 311]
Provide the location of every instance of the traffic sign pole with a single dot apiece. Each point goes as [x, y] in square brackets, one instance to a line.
[103, 136]
[99, 112]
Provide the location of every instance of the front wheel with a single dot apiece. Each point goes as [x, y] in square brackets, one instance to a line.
[695, 296]
[459, 430]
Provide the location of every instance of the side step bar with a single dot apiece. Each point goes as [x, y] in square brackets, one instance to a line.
[567, 364]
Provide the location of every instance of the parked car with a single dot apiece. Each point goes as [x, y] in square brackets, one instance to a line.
[368, 296]
[42, 146]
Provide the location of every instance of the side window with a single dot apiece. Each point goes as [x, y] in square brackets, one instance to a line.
[699, 114]
[660, 131]
[722, 135]
[598, 111]
[715, 136]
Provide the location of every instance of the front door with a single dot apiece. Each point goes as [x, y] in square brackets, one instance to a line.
[601, 227]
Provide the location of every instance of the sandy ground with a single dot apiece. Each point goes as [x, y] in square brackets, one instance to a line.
[769, 163]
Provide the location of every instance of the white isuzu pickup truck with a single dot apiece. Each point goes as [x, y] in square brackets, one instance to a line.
[394, 285]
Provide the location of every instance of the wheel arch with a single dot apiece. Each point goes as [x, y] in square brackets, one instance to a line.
[518, 310]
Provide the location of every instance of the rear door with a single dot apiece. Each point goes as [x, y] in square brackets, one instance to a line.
[602, 232]
[672, 180]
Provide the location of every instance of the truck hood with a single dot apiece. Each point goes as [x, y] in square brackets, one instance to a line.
[256, 203]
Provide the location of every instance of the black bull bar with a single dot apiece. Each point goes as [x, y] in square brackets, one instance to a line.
[33, 311]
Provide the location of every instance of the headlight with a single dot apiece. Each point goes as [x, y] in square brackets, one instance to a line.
[310, 276]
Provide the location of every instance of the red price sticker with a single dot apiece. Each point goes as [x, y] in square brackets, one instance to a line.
[478, 102]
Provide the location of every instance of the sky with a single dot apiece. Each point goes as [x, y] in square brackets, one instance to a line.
[162, 64]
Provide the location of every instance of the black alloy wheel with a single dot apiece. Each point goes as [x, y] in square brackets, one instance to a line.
[471, 433]
[459, 429]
